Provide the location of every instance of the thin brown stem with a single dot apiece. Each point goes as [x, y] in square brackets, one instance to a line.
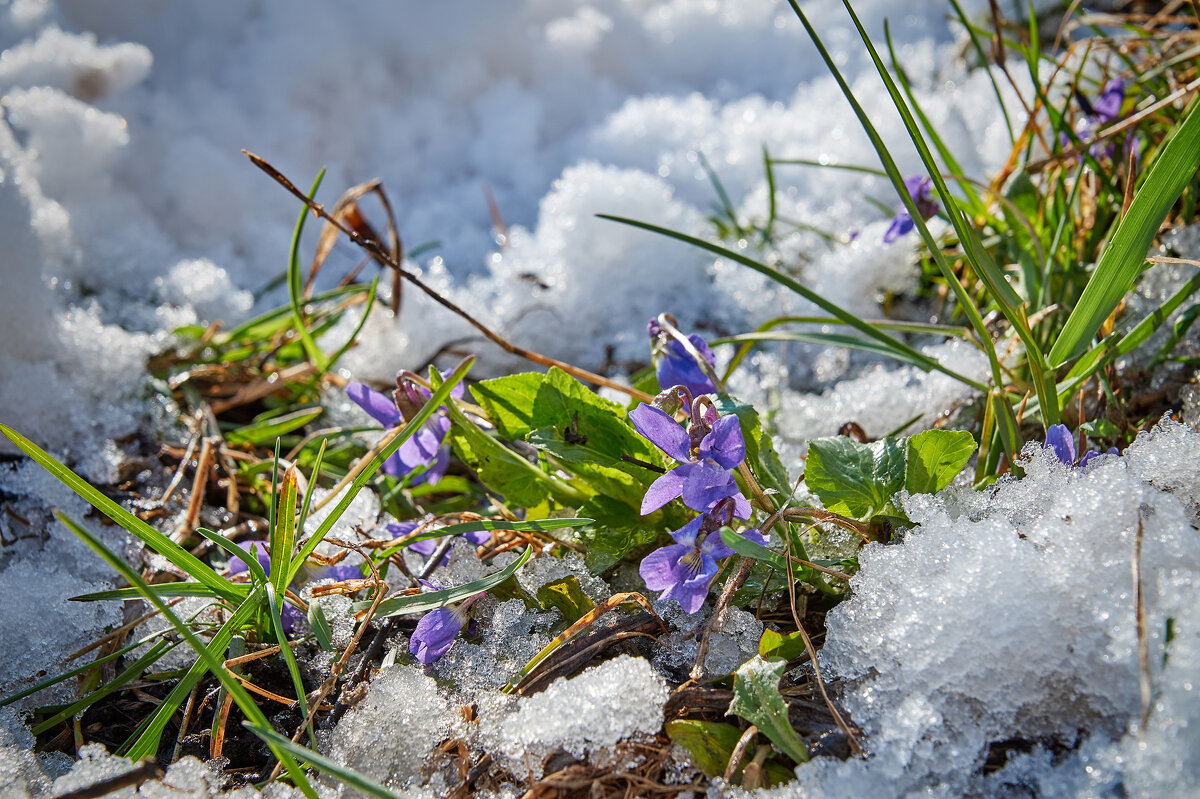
[377, 250]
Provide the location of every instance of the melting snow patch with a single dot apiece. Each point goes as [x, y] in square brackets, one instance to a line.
[1005, 622]
[582, 715]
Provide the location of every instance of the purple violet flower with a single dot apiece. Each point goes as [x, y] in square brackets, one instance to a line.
[919, 188]
[673, 366]
[704, 475]
[423, 448]
[684, 570]
[1105, 111]
[437, 629]
[1059, 439]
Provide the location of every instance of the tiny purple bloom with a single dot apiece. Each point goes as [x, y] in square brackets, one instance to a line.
[1108, 108]
[673, 366]
[918, 188]
[701, 480]
[424, 447]
[437, 629]
[1059, 439]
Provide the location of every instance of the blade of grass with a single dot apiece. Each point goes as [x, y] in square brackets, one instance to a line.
[276, 607]
[1122, 259]
[75, 672]
[130, 674]
[321, 763]
[244, 702]
[177, 555]
[419, 603]
[889, 165]
[895, 345]
[541, 525]
[984, 60]
[283, 535]
[985, 267]
[296, 286]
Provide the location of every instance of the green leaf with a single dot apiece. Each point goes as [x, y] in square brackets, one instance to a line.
[274, 425]
[1100, 428]
[158, 542]
[756, 698]
[419, 603]
[788, 647]
[934, 459]
[566, 595]
[320, 762]
[855, 479]
[509, 402]
[499, 468]
[710, 744]
[756, 551]
[606, 546]
[1121, 261]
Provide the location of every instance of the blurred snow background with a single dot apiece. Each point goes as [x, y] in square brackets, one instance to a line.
[127, 209]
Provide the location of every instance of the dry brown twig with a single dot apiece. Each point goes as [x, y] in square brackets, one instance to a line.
[377, 250]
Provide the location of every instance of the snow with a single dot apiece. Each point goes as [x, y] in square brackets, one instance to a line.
[127, 210]
[583, 715]
[388, 735]
[1009, 615]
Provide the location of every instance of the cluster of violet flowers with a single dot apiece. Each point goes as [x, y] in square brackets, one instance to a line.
[706, 454]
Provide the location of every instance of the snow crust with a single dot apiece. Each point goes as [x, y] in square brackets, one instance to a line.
[1006, 618]
[582, 715]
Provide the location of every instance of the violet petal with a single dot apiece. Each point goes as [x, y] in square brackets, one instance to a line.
[1059, 439]
[666, 488]
[725, 444]
[435, 634]
[379, 406]
[662, 431]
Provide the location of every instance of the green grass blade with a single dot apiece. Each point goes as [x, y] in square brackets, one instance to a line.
[75, 672]
[283, 536]
[158, 542]
[130, 674]
[893, 173]
[1122, 259]
[233, 548]
[276, 606]
[438, 398]
[825, 339]
[145, 740]
[264, 430]
[161, 589]
[539, 526]
[321, 763]
[894, 345]
[419, 603]
[312, 485]
[296, 285]
[984, 60]
[367, 307]
[214, 664]
[947, 156]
